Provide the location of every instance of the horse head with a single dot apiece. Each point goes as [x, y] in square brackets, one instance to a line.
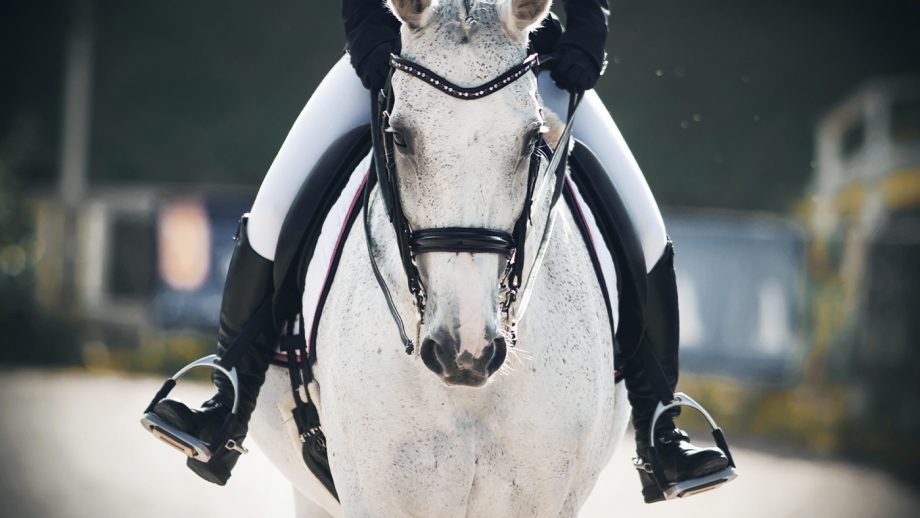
[464, 163]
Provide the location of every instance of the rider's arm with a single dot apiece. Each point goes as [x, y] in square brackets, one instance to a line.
[368, 24]
[579, 51]
[586, 27]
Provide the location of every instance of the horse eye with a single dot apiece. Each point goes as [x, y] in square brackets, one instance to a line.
[398, 138]
[531, 140]
[535, 137]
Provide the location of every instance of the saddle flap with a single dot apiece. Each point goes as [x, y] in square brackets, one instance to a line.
[304, 221]
[621, 239]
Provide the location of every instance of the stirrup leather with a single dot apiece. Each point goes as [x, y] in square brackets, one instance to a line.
[692, 486]
[191, 446]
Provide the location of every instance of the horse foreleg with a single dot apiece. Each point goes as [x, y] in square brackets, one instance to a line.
[273, 428]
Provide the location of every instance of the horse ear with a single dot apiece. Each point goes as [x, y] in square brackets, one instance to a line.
[414, 13]
[523, 16]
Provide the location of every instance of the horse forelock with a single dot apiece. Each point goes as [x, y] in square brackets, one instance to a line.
[465, 42]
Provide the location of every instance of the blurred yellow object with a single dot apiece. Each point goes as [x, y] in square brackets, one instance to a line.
[184, 244]
[806, 414]
[902, 189]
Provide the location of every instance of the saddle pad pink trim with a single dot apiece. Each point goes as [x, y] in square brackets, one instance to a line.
[331, 238]
[608, 270]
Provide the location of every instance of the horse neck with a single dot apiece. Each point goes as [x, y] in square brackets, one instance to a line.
[539, 219]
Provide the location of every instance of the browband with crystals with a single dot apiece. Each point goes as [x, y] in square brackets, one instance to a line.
[461, 92]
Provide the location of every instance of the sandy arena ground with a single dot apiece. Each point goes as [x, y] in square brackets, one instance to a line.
[71, 446]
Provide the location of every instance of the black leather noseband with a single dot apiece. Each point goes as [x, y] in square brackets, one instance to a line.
[473, 240]
[412, 243]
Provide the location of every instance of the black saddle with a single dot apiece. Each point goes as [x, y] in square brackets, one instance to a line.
[304, 221]
[621, 239]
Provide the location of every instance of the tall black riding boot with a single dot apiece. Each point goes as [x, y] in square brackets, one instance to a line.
[680, 459]
[249, 284]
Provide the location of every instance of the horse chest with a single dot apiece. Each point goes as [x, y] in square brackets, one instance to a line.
[514, 448]
[401, 443]
[432, 455]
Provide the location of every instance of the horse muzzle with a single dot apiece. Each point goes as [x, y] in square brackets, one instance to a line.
[441, 354]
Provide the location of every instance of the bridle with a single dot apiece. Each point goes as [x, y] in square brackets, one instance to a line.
[414, 242]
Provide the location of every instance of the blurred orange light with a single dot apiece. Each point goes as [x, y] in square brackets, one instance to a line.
[184, 244]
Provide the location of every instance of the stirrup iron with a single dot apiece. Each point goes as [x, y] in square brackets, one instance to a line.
[696, 485]
[191, 446]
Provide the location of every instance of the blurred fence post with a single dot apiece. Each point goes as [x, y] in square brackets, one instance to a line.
[74, 159]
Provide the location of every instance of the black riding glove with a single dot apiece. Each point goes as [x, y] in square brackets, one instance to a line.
[374, 67]
[579, 51]
[371, 33]
[574, 69]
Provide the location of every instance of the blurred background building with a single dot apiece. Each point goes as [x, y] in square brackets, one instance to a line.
[782, 138]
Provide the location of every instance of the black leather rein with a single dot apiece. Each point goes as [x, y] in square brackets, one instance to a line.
[412, 243]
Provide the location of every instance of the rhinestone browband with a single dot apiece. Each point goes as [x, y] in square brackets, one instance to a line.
[461, 92]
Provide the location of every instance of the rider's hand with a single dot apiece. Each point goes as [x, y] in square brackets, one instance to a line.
[580, 50]
[375, 66]
[574, 69]
[371, 33]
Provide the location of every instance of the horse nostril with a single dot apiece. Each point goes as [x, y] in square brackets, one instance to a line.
[488, 354]
[428, 355]
[439, 355]
[439, 352]
[497, 350]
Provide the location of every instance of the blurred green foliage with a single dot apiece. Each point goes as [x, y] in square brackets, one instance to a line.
[160, 352]
[28, 335]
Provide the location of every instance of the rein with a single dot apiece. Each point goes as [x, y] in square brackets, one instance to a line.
[414, 242]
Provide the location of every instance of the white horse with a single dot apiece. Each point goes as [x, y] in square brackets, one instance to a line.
[402, 439]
